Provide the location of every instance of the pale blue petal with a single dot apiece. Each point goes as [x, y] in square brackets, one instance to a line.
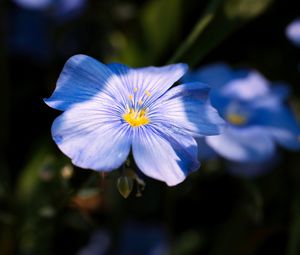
[163, 154]
[187, 107]
[242, 91]
[155, 80]
[92, 138]
[247, 88]
[293, 32]
[251, 144]
[84, 78]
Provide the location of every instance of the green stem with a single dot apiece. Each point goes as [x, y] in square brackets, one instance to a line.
[200, 26]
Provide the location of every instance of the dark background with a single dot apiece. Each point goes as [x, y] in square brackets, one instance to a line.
[44, 211]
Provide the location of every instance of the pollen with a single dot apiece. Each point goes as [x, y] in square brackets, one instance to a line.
[136, 118]
[236, 119]
[147, 93]
[135, 90]
[140, 102]
[131, 98]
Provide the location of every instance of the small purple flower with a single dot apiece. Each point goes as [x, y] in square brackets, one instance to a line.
[293, 32]
[109, 109]
[255, 111]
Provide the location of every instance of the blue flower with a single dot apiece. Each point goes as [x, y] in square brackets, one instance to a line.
[109, 109]
[63, 9]
[293, 32]
[256, 112]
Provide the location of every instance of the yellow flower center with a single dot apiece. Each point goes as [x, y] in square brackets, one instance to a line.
[136, 118]
[236, 119]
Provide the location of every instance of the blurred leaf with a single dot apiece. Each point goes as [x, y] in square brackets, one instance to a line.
[218, 21]
[161, 21]
[40, 193]
[130, 54]
[158, 26]
[188, 243]
[197, 30]
[245, 9]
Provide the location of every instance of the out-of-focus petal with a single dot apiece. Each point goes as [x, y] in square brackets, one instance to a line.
[92, 137]
[187, 107]
[251, 144]
[247, 88]
[215, 75]
[149, 83]
[281, 90]
[164, 154]
[34, 4]
[293, 32]
[69, 8]
[204, 151]
[281, 123]
[84, 78]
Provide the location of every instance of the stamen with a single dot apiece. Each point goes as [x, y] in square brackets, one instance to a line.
[131, 98]
[140, 102]
[236, 119]
[136, 118]
[147, 93]
[135, 90]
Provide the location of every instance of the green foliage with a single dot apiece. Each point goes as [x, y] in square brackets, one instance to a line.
[160, 21]
[220, 19]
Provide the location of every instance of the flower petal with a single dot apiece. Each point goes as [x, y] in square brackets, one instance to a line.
[149, 83]
[247, 88]
[33, 4]
[165, 156]
[92, 138]
[251, 144]
[205, 152]
[84, 78]
[187, 107]
[281, 123]
[293, 32]
[215, 75]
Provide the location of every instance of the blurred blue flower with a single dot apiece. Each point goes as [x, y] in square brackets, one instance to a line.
[63, 9]
[293, 32]
[135, 238]
[255, 111]
[111, 108]
[34, 4]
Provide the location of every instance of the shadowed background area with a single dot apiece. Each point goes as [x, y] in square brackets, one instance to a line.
[49, 206]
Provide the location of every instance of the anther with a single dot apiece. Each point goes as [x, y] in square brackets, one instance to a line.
[147, 93]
